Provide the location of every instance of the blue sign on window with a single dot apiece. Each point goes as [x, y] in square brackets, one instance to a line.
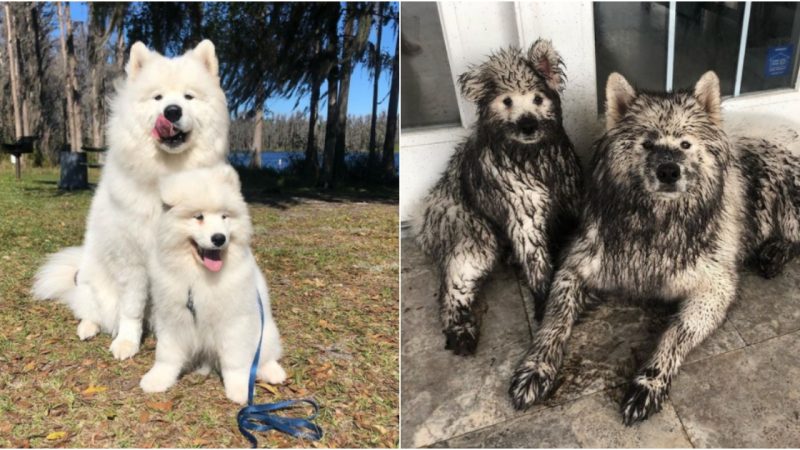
[779, 60]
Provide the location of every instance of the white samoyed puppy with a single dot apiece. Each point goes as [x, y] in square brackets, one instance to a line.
[206, 285]
[168, 115]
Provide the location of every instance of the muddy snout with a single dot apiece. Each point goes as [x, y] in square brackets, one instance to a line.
[668, 173]
[527, 125]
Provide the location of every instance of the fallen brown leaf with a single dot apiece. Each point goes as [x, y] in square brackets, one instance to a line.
[268, 387]
[161, 406]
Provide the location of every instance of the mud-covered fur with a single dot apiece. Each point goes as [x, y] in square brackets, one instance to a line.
[510, 185]
[651, 232]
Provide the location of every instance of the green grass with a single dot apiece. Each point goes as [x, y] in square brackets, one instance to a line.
[332, 264]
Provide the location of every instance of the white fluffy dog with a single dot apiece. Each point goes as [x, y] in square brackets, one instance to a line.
[167, 115]
[205, 286]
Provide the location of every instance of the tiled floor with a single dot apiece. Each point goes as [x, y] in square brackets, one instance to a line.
[740, 388]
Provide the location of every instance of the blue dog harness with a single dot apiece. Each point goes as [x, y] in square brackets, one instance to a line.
[259, 418]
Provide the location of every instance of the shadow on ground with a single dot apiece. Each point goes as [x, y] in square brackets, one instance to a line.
[738, 389]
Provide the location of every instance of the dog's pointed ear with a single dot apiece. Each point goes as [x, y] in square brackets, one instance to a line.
[619, 96]
[548, 64]
[138, 57]
[206, 53]
[707, 93]
[472, 87]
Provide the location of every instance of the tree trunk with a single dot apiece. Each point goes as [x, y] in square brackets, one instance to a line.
[119, 50]
[196, 18]
[96, 51]
[353, 47]
[71, 79]
[312, 160]
[98, 35]
[41, 130]
[339, 168]
[258, 128]
[13, 69]
[332, 124]
[391, 120]
[376, 61]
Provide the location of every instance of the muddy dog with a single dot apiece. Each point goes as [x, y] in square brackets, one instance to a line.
[673, 209]
[513, 184]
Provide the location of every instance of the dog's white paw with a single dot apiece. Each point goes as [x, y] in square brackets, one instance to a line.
[123, 348]
[236, 389]
[87, 329]
[271, 372]
[158, 380]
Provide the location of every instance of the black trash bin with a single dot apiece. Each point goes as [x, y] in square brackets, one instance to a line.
[74, 172]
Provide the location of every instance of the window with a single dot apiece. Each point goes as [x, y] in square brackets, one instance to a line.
[751, 46]
[773, 35]
[631, 38]
[429, 96]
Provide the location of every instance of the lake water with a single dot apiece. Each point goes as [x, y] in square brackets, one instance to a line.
[282, 160]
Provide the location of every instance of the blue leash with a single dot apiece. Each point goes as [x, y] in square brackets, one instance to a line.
[258, 418]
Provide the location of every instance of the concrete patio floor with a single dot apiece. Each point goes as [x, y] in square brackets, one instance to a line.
[741, 388]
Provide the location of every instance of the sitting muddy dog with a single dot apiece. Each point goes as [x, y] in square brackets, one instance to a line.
[513, 184]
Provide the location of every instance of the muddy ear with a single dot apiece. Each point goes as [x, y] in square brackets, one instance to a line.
[472, 88]
[138, 57]
[619, 96]
[706, 91]
[206, 53]
[548, 63]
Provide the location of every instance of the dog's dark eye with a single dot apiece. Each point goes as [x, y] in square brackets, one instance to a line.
[538, 100]
[198, 216]
[224, 216]
[507, 101]
[188, 96]
[158, 97]
[685, 145]
[648, 144]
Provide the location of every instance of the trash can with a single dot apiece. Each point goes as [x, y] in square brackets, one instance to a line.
[74, 172]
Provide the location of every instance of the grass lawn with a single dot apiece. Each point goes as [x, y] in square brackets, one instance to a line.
[332, 267]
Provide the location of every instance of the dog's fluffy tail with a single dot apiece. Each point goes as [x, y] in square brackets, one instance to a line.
[57, 277]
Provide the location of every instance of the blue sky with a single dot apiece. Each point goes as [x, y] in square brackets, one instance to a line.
[360, 99]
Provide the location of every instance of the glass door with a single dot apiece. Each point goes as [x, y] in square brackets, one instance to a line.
[752, 46]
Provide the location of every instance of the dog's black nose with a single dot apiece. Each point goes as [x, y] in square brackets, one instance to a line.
[173, 113]
[527, 125]
[668, 172]
[218, 239]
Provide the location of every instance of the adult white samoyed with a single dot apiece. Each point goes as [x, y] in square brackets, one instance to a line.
[167, 115]
[206, 286]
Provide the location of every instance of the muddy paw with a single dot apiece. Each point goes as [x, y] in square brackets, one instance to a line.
[643, 399]
[462, 339]
[772, 257]
[533, 381]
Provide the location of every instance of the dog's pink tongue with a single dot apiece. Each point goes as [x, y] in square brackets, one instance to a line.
[164, 128]
[212, 260]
